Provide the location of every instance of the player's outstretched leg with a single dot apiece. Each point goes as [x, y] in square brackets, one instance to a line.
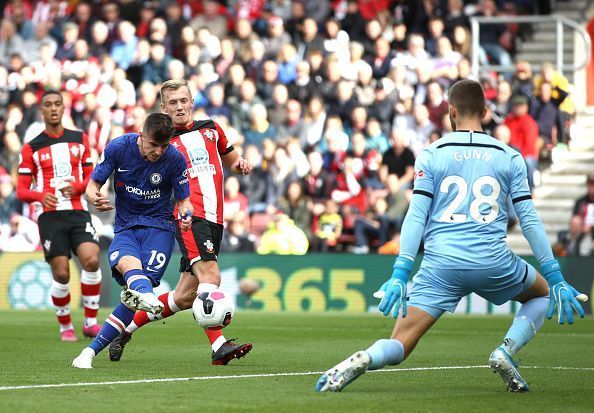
[113, 326]
[117, 346]
[223, 350]
[344, 372]
[527, 322]
[381, 353]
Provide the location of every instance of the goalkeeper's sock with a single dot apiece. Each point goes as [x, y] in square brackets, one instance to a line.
[527, 322]
[142, 317]
[114, 324]
[385, 352]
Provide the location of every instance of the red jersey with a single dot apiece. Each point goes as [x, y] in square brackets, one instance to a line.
[202, 144]
[52, 161]
[233, 206]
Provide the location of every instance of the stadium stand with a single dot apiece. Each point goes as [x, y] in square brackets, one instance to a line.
[290, 78]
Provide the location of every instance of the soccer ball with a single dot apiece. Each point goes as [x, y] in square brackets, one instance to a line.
[214, 310]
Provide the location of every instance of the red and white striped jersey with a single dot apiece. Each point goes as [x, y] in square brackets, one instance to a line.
[202, 144]
[50, 162]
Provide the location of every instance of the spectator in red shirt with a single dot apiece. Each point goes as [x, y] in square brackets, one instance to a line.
[235, 203]
[524, 134]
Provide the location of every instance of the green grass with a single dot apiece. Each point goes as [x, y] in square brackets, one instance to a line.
[31, 354]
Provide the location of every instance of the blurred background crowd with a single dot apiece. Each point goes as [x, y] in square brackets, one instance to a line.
[329, 100]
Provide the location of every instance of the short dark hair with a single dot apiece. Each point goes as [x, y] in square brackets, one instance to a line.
[158, 126]
[50, 92]
[467, 97]
[172, 85]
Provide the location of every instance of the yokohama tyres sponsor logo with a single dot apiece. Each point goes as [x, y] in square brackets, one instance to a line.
[152, 194]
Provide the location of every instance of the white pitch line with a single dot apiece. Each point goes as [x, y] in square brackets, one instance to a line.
[250, 376]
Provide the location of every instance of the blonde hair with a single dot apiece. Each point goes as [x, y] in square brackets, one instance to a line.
[173, 84]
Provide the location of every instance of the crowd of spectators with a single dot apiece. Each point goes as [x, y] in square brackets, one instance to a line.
[329, 100]
[578, 239]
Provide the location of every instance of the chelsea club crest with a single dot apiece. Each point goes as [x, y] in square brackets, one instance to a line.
[156, 178]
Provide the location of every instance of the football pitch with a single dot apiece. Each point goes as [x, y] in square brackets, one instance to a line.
[166, 367]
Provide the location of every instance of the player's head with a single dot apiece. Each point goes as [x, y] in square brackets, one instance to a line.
[467, 102]
[52, 108]
[156, 135]
[177, 102]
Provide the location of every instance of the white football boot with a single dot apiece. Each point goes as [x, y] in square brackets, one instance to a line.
[135, 300]
[84, 359]
[500, 362]
[339, 376]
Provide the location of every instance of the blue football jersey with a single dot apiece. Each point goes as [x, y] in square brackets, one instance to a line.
[470, 176]
[143, 188]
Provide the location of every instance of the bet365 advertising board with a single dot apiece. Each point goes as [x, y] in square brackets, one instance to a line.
[310, 283]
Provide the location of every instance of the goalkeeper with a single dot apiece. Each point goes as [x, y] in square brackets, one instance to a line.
[462, 182]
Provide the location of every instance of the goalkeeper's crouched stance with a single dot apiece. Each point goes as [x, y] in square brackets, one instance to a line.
[459, 207]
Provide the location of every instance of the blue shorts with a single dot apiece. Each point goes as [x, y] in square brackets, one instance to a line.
[438, 290]
[152, 246]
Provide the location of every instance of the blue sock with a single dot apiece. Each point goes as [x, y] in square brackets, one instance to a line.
[115, 323]
[385, 352]
[527, 322]
[137, 281]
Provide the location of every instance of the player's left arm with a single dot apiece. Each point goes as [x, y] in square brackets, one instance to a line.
[564, 297]
[236, 163]
[230, 157]
[393, 291]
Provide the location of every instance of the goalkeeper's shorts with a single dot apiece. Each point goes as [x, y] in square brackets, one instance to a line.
[436, 290]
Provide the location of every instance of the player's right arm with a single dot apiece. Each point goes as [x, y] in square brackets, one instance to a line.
[27, 169]
[181, 192]
[103, 170]
[564, 296]
[393, 291]
[95, 197]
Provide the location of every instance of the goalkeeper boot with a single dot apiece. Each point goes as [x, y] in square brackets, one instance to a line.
[116, 348]
[502, 363]
[339, 376]
[136, 300]
[229, 351]
[84, 359]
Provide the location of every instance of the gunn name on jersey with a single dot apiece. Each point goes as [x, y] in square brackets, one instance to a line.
[468, 154]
